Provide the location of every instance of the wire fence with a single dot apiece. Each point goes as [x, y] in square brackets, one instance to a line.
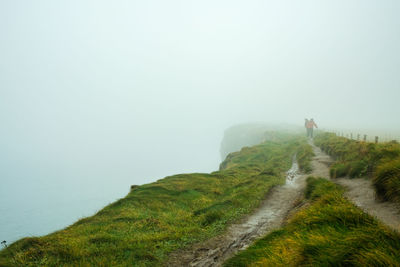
[367, 136]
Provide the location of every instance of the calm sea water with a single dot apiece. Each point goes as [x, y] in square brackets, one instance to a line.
[40, 207]
[43, 202]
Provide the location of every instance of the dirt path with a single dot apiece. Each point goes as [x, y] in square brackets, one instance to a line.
[361, 192]
[279, 202]
[269, 216]
[320, 163]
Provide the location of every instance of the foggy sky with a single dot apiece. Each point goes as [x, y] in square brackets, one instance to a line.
[125, 89]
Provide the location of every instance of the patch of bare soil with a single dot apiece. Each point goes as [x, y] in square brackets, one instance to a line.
[361, 192]
[320, 163]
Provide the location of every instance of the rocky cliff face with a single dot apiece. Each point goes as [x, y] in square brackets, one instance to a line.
[250, 134]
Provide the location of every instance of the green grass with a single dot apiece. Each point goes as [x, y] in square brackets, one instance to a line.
[305, 153]
[387, 180]
[331, 231]
[358, 159]
[158, 218]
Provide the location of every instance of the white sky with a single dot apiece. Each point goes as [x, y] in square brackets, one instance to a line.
[134, 88]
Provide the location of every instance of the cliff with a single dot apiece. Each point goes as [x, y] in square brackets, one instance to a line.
[153, 220]
[250, 134]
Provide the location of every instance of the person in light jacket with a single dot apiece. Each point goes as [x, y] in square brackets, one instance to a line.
[310, 128]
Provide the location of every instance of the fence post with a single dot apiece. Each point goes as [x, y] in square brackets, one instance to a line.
[365, 138]
[376, 139]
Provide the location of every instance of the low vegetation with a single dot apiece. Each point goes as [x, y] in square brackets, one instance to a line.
[381, 162]
[387, 180]
[158, 218]
[328, 231]
[305, 153]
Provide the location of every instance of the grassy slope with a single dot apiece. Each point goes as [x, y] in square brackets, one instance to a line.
[356, 159]
[304, 155]
[157, 218]
[329, 232]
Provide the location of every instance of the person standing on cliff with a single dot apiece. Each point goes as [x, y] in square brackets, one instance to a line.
[305, 126]
[310, 128]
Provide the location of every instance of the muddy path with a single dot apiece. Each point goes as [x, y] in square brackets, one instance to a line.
[320, 163]
[279, 202]
[361, 192]
[269, 216]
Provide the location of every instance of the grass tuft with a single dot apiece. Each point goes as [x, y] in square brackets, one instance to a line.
[387, 180]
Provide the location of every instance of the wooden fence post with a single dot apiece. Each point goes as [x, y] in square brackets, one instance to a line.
[376, 139]
[365, 138]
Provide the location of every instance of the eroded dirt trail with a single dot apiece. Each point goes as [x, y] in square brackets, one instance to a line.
[280, 201]
[269, 216]
[361, 192]
[320, 163]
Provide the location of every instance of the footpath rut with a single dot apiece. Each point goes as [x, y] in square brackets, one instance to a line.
[268, 217]
[361, 192]
[280, 201]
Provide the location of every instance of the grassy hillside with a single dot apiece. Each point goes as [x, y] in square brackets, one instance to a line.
[355, 159]
[330, 231]
[157, 218]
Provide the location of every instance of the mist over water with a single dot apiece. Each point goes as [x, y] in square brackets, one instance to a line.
[96, 96]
